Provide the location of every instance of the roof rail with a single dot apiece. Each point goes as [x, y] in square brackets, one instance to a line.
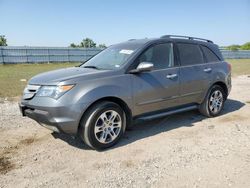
[186, 37]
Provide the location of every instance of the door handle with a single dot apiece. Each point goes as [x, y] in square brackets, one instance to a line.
[171, 76]
[207, 70]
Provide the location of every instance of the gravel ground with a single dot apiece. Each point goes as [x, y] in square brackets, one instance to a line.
[183, 150]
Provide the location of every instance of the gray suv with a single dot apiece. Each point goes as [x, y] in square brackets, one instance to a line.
[132, 81]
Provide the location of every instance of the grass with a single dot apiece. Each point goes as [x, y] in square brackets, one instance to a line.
[240, 66]
[11, 75]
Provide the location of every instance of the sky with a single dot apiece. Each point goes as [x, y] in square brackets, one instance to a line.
[61, 22]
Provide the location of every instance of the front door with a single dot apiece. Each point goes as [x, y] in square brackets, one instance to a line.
[157, 89]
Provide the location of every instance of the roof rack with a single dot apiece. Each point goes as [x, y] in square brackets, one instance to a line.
[186, 37]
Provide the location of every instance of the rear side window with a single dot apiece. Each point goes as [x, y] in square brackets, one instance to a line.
[161, 55]
[210, 56]
[190, 54]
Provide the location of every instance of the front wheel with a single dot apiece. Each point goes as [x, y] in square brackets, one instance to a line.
[103, 125]
[214, 102]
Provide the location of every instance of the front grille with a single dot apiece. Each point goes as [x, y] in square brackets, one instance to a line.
[30, 91]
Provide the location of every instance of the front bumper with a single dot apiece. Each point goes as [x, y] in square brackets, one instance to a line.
[63, 119]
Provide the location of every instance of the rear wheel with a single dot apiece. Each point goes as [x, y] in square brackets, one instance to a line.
[103, 125]
[214, 102]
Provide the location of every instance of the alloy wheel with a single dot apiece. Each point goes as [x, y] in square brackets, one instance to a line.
[108, 126]
[215, 101]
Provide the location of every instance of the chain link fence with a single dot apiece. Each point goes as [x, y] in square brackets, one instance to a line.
[239, 54]
[15, 55]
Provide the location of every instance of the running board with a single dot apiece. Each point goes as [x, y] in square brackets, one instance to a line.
[162, 114]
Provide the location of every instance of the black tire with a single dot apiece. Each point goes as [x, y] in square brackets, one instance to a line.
[93, 116]
[204, 107]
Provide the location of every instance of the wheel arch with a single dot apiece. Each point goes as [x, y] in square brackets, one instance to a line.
[116, 100]
[219, 83]
[222, 85]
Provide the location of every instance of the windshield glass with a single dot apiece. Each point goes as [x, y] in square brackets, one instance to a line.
[111, 58]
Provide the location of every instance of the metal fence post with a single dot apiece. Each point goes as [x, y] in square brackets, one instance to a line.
[68, 55]
[48, 55]
[2, 62]
[26, 53]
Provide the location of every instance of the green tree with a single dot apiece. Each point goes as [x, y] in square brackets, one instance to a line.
[73, 45]
[3, 41]
[88, 43]
[245, 46]
[102, 46]
[233, 47]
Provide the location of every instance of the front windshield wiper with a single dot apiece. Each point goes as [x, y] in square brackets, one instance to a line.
[90, 66]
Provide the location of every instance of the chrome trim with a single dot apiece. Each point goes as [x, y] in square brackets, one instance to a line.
[30, 91]
[207, 70]
[193, 93]
[158, 100]
[171, 76]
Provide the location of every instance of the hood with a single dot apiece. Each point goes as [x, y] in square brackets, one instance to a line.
[60, 75]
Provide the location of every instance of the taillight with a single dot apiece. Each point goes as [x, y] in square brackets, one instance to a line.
[229, 66]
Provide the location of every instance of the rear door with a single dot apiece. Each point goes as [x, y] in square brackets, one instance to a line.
[159, 88]
[194, 74]
[212, 61]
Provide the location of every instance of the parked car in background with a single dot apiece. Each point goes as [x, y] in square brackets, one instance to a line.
[131, 81]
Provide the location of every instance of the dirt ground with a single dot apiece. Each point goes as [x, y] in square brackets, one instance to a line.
[183, 150]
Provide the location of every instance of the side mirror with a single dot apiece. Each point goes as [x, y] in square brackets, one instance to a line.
[143, 67]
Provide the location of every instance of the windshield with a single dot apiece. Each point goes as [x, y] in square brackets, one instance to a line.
[111, 58]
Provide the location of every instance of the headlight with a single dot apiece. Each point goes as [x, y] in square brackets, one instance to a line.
[53, 91]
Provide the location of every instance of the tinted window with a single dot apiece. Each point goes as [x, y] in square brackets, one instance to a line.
[190, 54]
[210, 56]
[161, 55]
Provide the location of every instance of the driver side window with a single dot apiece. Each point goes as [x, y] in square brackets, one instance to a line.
[161, 55]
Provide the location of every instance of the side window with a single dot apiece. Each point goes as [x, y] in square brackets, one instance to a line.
[210, 56]
[190, 54]
[161, 55]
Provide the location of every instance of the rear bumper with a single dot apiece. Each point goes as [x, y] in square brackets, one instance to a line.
[63, 119]
[229, 84]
